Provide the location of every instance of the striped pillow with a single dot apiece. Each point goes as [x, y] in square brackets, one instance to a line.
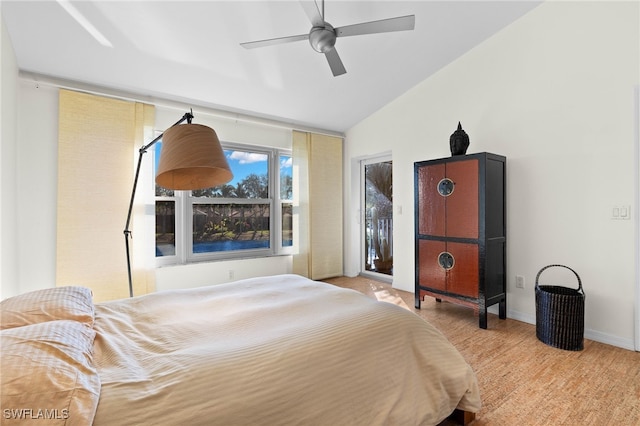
[59, 303]
[48, 374]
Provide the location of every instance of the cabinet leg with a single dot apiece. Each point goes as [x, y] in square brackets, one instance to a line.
[483, 318]
[502, 307]
[438, 300]
[417, 302]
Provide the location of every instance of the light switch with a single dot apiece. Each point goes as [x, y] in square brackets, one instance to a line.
[621, 212]
[624, 212]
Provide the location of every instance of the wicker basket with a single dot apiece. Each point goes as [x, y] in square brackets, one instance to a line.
[560, 314]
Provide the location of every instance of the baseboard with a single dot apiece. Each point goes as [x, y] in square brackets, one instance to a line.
[609, 339]
[594, 335]
[522, 317]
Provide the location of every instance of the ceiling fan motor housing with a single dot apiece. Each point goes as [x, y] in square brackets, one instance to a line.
[322, 39]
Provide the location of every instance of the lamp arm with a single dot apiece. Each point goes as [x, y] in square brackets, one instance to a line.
[127, 233]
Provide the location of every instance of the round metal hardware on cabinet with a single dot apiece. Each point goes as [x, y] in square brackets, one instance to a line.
[446, 260]
[446, 187]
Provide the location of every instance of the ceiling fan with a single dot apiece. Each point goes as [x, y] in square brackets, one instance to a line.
[322, 35]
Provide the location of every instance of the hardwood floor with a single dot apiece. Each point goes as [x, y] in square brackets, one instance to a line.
[522, 380]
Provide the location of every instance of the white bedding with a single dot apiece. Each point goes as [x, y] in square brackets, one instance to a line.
[279, 350]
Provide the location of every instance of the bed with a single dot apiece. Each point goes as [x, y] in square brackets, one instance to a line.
[277, 350]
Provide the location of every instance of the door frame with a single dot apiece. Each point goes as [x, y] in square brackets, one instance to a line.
[636, 209]
[364, 161]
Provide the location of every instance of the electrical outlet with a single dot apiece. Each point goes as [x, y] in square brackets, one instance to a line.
[519, 281]
[231, 274]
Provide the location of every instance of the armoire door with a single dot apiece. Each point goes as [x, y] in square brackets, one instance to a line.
[431, 274]
[462, 277]
[449, 267]
[462, 203]
[432, 208]
[449, 199]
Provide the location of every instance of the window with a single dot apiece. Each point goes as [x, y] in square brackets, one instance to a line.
[248, 216]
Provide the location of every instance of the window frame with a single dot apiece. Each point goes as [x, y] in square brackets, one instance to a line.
[185, 202]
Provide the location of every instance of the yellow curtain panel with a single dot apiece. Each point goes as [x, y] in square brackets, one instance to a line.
[317, 209]
[98, 139]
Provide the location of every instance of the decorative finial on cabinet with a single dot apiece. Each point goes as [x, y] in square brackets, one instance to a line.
[459, 141]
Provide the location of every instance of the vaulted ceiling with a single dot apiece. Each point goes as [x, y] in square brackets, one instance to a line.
[189, 51]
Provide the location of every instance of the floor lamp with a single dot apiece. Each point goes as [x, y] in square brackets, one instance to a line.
[191, 158]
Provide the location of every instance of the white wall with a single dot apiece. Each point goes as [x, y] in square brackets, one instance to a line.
[37, 174]
[553, 92]
[30, 213]
[9, 278]
[209, 273]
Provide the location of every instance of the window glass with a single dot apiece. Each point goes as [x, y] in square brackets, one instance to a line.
[160, 191]
[165, 228]
[286, 197]
[286, 177]
[165, 215]
[227, 227]
[233, 219]
[250, 177]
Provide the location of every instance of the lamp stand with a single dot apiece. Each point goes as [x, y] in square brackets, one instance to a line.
[127, 233]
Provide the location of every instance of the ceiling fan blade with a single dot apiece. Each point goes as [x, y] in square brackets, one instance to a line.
[274, 41]
[337, 68]
[401, 23]
[315, 15]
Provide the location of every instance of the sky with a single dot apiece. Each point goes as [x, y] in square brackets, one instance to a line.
[243, 163]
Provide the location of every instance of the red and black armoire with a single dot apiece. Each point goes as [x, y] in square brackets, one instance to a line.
[460, 231]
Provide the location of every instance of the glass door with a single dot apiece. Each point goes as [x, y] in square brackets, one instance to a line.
[377, 223]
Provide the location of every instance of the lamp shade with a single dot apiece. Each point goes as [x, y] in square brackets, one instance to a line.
[192, 158]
